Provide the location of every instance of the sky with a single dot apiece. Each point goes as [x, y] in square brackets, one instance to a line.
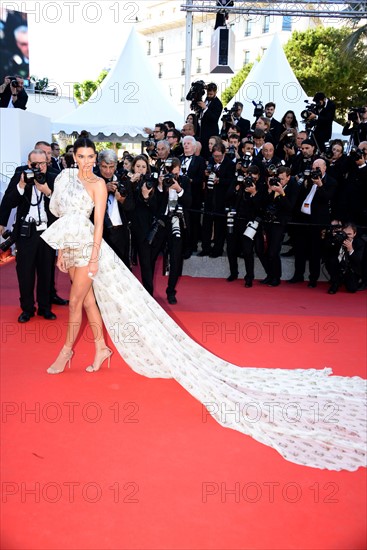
[74, 40]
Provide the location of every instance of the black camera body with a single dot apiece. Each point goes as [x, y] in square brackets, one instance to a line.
[335, 236]
[356, 154]
[31, 176]
[195, 94]
[328, 153]
[311, 109]
[212, 175]
[14, 82]
[315, 174]
[289, 141]
[121, 183]
[10, 240]
[258, 109]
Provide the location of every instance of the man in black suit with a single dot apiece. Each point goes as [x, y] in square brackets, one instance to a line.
[275, 126]
[220, 176]
[312, 212]
[173, 197]
[13, 94]
[193, 167]
[209, 115]
[322, 120]
[30, 194]
[119, 201]
[278, 202]
[243, 125]
[55, 157]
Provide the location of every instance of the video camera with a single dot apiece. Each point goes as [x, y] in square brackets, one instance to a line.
[311, 108]
[354, 112]
[195, 94]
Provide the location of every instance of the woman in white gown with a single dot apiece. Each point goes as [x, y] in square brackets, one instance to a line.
[153, 345]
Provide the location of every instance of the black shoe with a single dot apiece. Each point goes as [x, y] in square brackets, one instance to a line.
[203, 253]
[288, 254]
[24, 317]
[265, 281]
[172, 300]
[274, 282]
[295, 279]
[59, 301]
[248, 283]
[333, 289]
[312, 284]
[47, 314]
[232, 278]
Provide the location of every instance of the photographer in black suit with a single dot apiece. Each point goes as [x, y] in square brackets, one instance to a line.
[322, 120]
[30, 192]
[13, 94]
[193, 167]
[173, 197]
[119, 201]
[209, 115]
[356, 125]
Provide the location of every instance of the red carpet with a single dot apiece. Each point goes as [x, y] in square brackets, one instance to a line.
[118, 461]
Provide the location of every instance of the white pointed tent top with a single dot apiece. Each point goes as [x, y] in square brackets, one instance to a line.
[272, 79]
[130, 98]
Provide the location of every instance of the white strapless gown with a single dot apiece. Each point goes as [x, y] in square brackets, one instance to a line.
[153, 345]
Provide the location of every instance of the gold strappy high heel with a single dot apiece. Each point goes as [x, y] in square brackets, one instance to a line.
[106, 355]
[63, 358]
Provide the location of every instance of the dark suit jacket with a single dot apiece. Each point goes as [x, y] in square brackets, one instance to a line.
[13, 199]
[324, 124]
[284, 206]
[215, 200]
[320, 206]
[243, 126]
[209, 123]
[19, 104]
[275, 130]
[196, 175]
[56, 166]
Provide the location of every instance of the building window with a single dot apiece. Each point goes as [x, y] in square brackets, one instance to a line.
[198, 66]
[287, 23]
[161, 45]
[246, 57]
[266, 23]
[200, 38]
[149, 47]
[248, 27]
[160, 68]
[183, 66]
[183, 92]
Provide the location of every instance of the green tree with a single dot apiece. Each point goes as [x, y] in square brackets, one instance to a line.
[84, 90]
[236, 84]
[315, 58]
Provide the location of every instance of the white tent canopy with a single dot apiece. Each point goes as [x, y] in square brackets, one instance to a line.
[272, 79]
[130, 98]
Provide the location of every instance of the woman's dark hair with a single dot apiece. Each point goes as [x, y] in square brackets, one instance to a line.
[141, 157]
[84, 142]
[294, 121]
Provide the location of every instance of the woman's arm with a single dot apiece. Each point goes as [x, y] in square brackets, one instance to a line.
[100, 200]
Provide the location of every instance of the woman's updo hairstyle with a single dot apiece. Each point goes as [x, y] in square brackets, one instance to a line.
[84, 142]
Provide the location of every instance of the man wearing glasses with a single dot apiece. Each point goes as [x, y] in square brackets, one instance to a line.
[29, 191]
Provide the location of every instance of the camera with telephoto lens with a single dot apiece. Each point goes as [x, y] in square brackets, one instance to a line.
[302, 176]
[211, 178]
[157, 223]
[231, 214]
[259, 109]
[328, 153]
[251, 228]
[31, 176]
[231, 153]
[335, 236]
[315, 174]
[121, 183]
[356, 154]
[150, 180]
[246, 160]
[195, 94]
[10, 240]
[354, 112]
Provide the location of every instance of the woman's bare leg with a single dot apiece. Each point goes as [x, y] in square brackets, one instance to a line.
[96, 324]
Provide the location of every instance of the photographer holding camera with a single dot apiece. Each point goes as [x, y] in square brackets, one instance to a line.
[119, 201]
[13, 94]
[321, 117]
[220, 174]
[173, 198]
[244, 230]
[357, 117]
[209, 114]
[312, 212]
[343, 257]
[278, 205]
[29, 191]
[353, 199]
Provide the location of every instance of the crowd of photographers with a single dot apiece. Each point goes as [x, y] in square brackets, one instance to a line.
[220, 180]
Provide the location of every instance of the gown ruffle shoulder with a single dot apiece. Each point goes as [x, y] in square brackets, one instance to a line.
[310, 417]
